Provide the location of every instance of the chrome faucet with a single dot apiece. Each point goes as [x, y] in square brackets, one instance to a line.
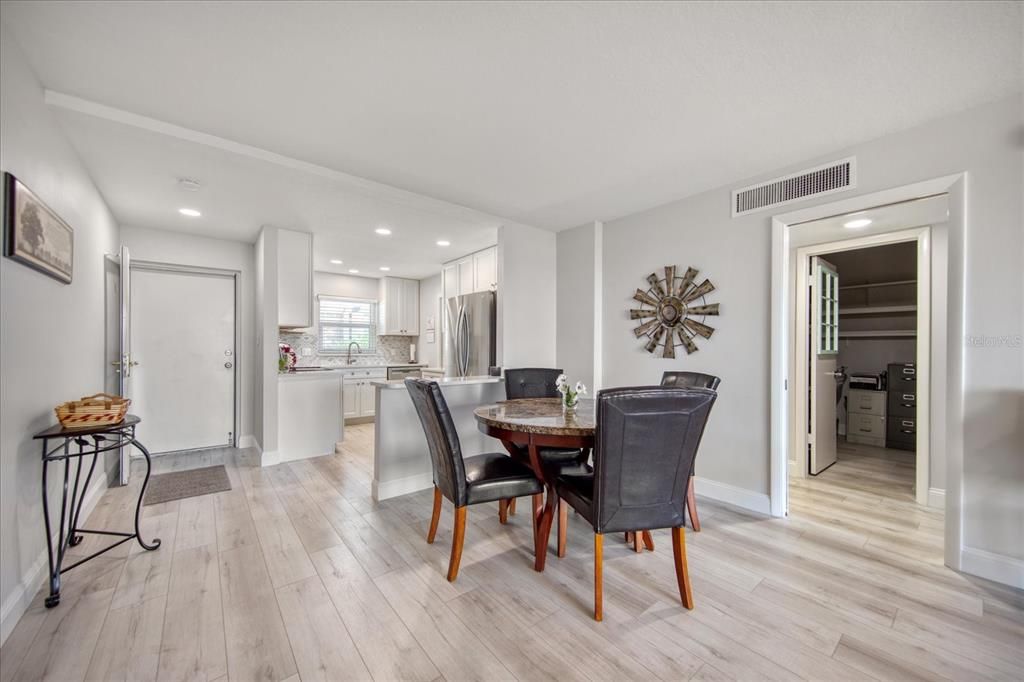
[349, 360]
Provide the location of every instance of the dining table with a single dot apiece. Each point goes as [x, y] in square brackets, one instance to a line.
[531, 424]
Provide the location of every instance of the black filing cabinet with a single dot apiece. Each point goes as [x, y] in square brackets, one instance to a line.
[901, 424]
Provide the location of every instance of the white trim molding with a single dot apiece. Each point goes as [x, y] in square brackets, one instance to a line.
[21, 596]
[248, 441]
[999, 568]
[730, 494]
[401, 486]
[269, 458]
[937, 498]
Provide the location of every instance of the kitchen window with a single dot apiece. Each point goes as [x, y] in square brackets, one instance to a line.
[343, 320]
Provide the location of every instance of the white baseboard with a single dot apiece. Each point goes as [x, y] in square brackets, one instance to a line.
[996, 567]
[937, 498]
[269, 458]
[21, 597]
[248, 442]
[730, 494]
[402, 486]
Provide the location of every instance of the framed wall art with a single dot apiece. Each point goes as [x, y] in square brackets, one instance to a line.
[34, 235]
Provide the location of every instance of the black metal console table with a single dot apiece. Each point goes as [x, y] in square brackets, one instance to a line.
[91, 440]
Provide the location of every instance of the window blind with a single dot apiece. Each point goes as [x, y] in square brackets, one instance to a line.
[343, 320]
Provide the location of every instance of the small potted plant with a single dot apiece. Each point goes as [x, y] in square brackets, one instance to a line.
[570, 395]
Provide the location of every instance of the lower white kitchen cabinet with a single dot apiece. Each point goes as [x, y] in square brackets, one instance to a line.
[358, 395]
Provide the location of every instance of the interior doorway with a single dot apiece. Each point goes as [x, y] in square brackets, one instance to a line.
[859, 425]
[862, 421]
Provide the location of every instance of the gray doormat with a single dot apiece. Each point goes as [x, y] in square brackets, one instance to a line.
[178, 485]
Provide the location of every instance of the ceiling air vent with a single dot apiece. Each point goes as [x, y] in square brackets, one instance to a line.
[832, 177]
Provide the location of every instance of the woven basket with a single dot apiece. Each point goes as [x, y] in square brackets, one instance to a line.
[101, 409]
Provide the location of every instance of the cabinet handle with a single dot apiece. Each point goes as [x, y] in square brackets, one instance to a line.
[906, 423]
[908, 396]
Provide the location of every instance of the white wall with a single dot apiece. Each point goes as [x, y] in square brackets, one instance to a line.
[265, 422]
[178, 248]
[578, 279]
[52, 334]
[526, 300]
[735, 254]
[430, 351]
[332, 284]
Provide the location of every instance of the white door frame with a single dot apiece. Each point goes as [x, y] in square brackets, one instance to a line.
[234, 275]
[783, 361]
[921, 235]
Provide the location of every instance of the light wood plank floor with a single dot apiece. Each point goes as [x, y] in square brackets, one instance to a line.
[297, 574]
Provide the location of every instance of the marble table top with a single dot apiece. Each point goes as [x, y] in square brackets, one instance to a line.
[539, 415]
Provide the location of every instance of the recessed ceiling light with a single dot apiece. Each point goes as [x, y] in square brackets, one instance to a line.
[337, 261]
[383, 231]
[859, 222]
[190, 212]
[384, 268]
[443, 242]
[354, 271]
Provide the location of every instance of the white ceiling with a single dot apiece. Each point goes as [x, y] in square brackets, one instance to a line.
[551, 114]
[137, 171]
[889, 218]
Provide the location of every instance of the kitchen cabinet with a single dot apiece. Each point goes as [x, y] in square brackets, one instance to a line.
[467, 278]
[471, 274]
[359, 399]
[485, 270]
[399, 307]
[294, 279]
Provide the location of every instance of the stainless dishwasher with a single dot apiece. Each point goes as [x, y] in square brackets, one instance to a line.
[402, 373]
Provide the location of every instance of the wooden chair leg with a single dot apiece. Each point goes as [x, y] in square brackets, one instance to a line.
[628, 537]
[635, 537]
[512, 505]
[457, 538]
[598, 577]
[648, 540]
[436, 516]
[538, 505]
[682, 571]
[503, 511]
[563, 525]
[691, 506]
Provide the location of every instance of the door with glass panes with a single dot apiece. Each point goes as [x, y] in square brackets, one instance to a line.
[824, 341]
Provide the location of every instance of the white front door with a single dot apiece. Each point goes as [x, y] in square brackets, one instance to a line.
[183, 339]
[824, 347]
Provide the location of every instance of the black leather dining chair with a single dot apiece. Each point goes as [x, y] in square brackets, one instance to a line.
[691, 380]
[464, 481]
[539, 382]
[645, 443]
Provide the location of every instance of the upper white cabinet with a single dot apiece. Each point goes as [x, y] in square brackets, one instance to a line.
[467, 280]
[485, 269]
[294, 279]
[399, 306]
[470, 274]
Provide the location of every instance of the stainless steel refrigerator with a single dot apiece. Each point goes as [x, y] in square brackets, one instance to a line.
[472, 334]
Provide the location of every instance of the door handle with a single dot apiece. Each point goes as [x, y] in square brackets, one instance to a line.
[228, 365]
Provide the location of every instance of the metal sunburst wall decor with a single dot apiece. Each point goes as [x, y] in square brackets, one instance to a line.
[673, 303]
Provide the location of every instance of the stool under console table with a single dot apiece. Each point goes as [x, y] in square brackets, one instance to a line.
[94, 441]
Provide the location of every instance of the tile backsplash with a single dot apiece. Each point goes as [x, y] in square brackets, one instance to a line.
[390, 350]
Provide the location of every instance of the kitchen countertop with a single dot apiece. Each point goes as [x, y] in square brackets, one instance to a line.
[308, 376]
[350, 368]
[444, 381]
